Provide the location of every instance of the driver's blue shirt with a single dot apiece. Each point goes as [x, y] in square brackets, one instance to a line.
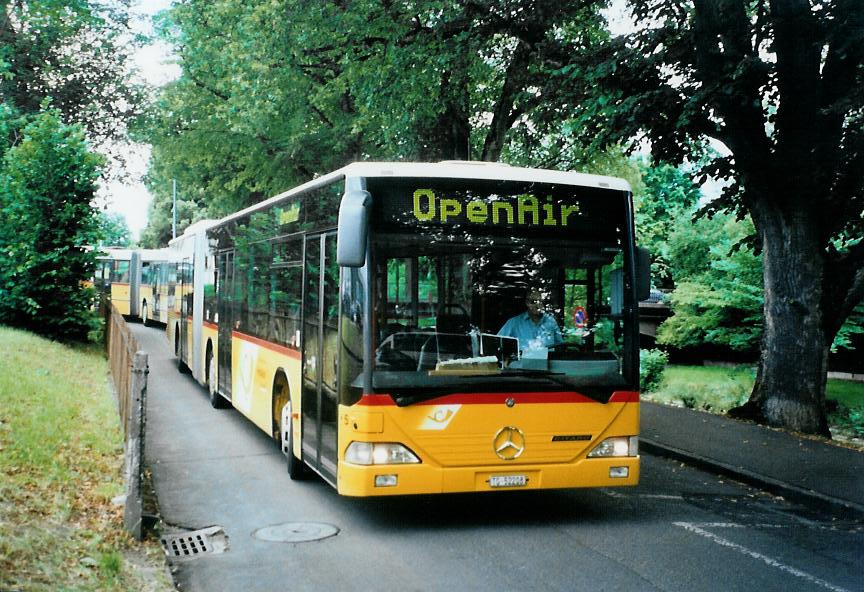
[532, 335]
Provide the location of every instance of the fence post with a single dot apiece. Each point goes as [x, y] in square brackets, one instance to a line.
[132, 516]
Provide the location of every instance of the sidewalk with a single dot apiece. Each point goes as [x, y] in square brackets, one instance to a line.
[776, 461]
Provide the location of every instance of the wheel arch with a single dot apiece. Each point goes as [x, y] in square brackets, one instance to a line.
[280, 394]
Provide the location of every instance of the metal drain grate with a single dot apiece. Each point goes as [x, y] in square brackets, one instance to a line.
[188, 545]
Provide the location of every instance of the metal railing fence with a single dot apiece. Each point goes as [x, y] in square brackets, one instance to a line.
[129, 369]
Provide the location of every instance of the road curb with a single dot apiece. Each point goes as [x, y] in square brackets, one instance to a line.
[786, 490]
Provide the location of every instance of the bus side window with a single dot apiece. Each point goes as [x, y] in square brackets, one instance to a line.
[286, 292]
[121, 272]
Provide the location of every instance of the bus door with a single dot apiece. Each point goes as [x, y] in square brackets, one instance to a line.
[320, 354]
[225, 312]
[185, 280]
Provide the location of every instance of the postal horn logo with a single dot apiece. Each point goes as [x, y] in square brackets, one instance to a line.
[509, 443]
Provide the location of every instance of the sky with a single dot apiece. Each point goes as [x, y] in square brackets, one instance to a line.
[153, 61]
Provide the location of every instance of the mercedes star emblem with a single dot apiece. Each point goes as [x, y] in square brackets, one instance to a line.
[509, 443]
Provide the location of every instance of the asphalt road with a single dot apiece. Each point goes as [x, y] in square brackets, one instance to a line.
[681, 529]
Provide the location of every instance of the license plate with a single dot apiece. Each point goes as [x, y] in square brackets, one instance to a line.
[508, 481]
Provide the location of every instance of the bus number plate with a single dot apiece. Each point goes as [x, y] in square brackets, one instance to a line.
[508, 481]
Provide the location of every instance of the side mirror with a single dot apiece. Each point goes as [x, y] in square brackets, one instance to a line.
[353, 228]
[643, 274]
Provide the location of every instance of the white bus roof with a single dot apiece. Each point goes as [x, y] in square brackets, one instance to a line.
[125, 253]
[459, 169]
[121, 253]
[487, 171]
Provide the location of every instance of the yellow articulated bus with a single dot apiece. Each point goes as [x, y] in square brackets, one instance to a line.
[155, 280]
[407, 328]
[136, 281]
[114, 270]
[191, 265]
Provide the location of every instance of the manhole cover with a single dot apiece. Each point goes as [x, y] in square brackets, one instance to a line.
[192, 544]
[295, 532]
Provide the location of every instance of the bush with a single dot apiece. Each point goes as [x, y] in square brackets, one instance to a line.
[652, 363]
[48, 182]
[847, 421]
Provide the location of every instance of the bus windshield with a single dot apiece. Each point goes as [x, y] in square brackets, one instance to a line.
[445, 313]
[488, 310]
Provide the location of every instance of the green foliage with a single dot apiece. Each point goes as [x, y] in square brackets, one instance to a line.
[667, 196]
[47, 184]
[75, 54]
[707, 388]
[652, 363]
[854, 325]
[718, 284]
[115, 231]
[273, 94]
[848, 421]
[846, 408]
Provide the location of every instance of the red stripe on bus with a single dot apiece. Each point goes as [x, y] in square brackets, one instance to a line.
[281, 349]
[498, 398]
[624, 397]
[210, 325]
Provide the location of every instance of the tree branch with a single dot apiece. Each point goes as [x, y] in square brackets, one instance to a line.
[503, 114]
[199, 83]
[731, 75]
[843, 288]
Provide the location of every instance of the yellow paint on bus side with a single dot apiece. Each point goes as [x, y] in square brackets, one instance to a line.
[120, 297]
[254, 366]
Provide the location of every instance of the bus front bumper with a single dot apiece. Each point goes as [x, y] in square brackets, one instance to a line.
[375, 480]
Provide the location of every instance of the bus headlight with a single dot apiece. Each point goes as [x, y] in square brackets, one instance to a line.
[617, 446]
[379, 453]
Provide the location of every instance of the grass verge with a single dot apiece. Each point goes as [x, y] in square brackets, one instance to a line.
[717, 390]
[61, 454]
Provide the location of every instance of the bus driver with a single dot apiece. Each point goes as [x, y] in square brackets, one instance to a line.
[534, 328]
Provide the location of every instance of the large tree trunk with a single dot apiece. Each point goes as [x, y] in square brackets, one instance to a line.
[790, 384]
